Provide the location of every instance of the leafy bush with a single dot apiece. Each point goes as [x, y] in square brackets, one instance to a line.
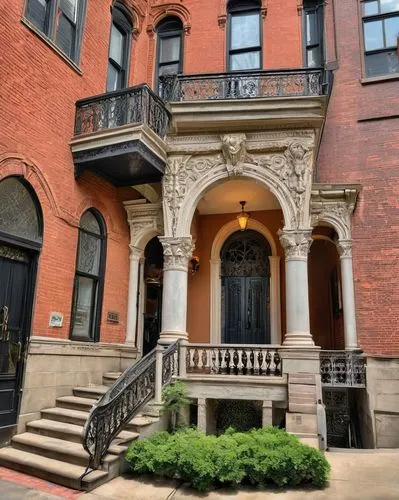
[261, 456]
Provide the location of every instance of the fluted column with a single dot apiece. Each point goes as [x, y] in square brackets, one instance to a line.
[132, 304]
[177, 253]
[348, 293]
[296, 244]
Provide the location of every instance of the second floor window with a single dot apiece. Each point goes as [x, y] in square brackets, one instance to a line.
[119, 49]
[244, 35]
[169, 47]
[313, 33]
[381, 32]
[61, 21]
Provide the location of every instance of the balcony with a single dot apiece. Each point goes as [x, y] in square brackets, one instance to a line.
[246, 100]
[120, 136]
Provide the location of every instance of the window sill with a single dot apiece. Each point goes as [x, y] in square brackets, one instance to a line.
[52, 45]
[378, 79]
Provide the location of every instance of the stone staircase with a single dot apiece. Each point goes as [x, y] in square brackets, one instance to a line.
[51, 448]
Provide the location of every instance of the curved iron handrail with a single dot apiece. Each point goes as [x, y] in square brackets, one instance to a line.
[109, 415]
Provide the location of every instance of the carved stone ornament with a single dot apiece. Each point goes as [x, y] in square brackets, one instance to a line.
[344, 248]
[235, 153]
[296, 244]
[135, 253]
[177, 252]
[144, 219]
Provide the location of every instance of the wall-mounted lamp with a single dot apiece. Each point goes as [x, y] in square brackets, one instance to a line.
[194, 264]
[243, 217]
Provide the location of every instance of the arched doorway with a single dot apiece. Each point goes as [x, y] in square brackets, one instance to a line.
[153, 294]
[245, 290]
[20, 242]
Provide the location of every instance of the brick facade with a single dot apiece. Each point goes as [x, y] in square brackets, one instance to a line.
[39, 90]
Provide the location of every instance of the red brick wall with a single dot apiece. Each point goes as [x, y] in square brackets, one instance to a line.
[367, 152]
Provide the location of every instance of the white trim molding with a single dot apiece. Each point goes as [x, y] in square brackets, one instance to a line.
[215, 282]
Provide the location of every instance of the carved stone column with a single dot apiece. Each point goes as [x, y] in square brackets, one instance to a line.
[296, 244]
[132, 301]
[348, 293]
[177, 253]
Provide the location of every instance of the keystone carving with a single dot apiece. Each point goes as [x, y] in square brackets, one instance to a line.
[296, 244]
[177, 252]
[234, 152]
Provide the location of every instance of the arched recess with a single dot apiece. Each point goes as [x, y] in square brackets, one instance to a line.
[215, 281]
[167, 9]
[178, 219]
[136, 15]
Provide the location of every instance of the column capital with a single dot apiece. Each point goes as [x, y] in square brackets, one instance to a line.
[296, 243]
[177, 252]
[135, 253]
[344, 248]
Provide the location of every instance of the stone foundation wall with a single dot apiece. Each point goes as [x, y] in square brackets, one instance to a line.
[383, 400]
[54, 367]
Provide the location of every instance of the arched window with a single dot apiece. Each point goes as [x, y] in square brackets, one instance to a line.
[313, 33]
[244, 35]
[20, 215]
[89, 278]
[119, 49]
[169, 47]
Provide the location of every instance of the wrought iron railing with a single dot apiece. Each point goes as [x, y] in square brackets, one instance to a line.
[131, 391]
[134, 105]
[342, 369]
[244, 85]
[231, 359]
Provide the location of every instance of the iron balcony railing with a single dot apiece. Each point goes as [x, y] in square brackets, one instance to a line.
[244, 85]
[229, 359]
[133, 389]
[342, 369]
[134, 105]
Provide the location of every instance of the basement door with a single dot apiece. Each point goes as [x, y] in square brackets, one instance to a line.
[245, 289]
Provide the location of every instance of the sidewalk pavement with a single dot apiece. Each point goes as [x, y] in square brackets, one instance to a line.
[365, 475]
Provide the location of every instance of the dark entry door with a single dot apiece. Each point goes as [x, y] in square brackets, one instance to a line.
[14, 278]
[245, 289]
[245, 310]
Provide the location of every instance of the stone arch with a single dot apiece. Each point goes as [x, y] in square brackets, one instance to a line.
[166, 9]
[136, 14]
[181, 224]
[215, 284]
[14, 164]
[340, 225]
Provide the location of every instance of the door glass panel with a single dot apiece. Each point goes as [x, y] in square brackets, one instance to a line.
[65, 38]
[313, 57]
[69, 8]
[169, 69]
[389, 6]
[84, 295]
[36, 12]
[312, 36]
[18, 214]
[373, 35]
[391, 31]
[117, 45]
[112, 78]
[248, 60]
[170, 49]
[245, 31]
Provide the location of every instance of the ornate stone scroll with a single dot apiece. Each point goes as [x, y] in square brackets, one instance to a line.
[177, 252]
[296, 244]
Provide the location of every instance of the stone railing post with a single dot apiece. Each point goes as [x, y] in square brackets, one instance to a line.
[158, 373]
[177, 253]
[296, 244]
[182, 358]
[348, 293]
[132, 302]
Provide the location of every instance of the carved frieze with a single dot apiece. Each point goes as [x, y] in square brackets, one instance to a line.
[177, 252]
[296, 244]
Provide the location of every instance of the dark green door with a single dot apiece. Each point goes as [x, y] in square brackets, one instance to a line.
[245, 289]
[14, 286]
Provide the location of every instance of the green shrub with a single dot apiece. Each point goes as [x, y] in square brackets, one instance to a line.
[174, 398]
[261, 456]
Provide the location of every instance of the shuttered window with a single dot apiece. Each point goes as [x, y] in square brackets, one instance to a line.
[61, 21]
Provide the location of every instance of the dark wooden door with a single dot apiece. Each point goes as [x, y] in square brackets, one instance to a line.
[14, 286]
[245, 289]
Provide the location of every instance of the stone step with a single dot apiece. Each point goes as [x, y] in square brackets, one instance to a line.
[71, 432]
[63, 473]
[94, 392]
[110, 377]
[302, 408]
[59, 449]
[77, 417]
[75, 403]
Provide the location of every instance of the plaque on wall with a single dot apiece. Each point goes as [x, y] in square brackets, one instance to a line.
[113, 317]
[56, 320]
